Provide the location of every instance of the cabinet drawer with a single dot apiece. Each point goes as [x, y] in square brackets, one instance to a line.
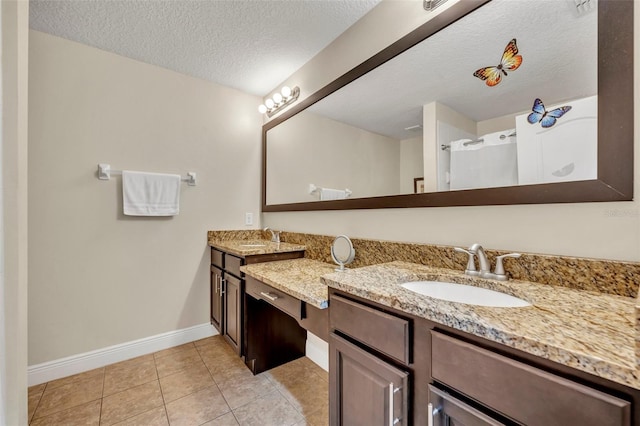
[524, 393]
[232, 264]
[277, 298]
[216, 258]
[449, 408]
[381, 331]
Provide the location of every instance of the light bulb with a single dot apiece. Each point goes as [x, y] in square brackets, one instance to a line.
[262, 109]
[269, 103]
[286, 91]
[277, 98]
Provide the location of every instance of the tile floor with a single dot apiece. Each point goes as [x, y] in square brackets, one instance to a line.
[199, 383]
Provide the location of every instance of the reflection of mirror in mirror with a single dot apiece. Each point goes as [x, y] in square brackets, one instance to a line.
[342, 251]
[425, 114]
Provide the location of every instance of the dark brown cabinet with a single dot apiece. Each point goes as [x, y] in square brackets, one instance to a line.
[369, 357]
[275, 326]
[445, 377]
[232, 311]
[364, 389]
[216, 297]
[521, 392]
[227, 289]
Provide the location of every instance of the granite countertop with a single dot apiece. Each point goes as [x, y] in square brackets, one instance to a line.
[299, 278]
[588, 331]
[244, 248]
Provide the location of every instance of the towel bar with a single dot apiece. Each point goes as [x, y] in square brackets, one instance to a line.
[316, 190]
[105, 172]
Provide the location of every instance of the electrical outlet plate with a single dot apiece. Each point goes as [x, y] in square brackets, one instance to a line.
[248, 218]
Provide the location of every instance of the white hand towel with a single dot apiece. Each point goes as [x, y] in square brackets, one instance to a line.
[150, 194]
[332, 194]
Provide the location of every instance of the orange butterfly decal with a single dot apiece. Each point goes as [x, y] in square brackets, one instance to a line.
[510, 61]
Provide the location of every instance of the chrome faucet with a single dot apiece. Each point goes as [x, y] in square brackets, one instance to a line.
[476, 250]
[275, 235]
[485, 267]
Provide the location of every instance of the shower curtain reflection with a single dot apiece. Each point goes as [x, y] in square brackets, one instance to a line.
[489, 161]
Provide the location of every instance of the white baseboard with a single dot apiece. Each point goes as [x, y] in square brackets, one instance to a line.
[56, 369]
[317, 350]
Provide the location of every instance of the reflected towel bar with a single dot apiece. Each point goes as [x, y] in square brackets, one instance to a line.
[316, 189]
[473, 142]
[105, 172]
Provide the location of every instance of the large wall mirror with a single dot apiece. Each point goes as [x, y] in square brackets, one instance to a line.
[489, 103]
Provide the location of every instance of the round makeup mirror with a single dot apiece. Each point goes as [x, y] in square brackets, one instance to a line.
[342, 251]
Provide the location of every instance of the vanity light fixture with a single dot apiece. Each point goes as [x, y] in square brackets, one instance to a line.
[279, 100]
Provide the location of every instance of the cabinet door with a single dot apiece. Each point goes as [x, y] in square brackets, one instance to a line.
[216, 297]
[447, 410]
[364, 390]
[232, 310]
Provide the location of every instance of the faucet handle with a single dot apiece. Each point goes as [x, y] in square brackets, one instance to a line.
[499, 271]
[471, 264]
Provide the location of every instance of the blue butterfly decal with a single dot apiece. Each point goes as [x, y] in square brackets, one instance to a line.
[546, 118]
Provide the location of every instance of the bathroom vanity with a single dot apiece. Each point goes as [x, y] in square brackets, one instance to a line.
[569, 357]
[227, 281]
[283, 301]
[400, 358]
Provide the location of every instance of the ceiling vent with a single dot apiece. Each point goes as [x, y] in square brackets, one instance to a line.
[430, 5]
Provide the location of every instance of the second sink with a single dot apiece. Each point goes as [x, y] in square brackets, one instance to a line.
[468, 294]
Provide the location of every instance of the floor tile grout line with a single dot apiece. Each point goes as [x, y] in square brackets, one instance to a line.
[301, 411]
[231, 410]
[217, 386]
[64, 409]
[235, 417]
[164, 402]
[155, 358]
[38, 404]
[195, 390]
[216, 345]
[59, 410]
[104, 379]
[134, 415]
[189, 394]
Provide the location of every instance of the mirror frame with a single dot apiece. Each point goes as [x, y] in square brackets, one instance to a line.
[615, 125]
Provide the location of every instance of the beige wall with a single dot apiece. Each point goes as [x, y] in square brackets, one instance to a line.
[98, 278]
[410, 163]
[384, 24]
[599, 230]
[434, 116]
[13, 298]
[311, 149]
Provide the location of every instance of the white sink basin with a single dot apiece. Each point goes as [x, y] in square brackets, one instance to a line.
[463, 293]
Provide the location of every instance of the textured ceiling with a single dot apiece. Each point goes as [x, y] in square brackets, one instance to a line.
[251, 45]
[558, 47]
